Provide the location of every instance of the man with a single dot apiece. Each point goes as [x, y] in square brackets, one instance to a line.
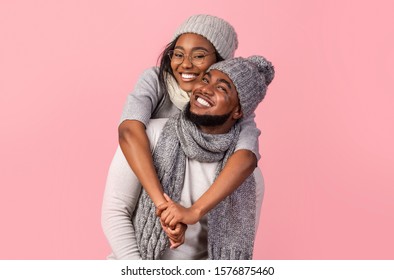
[189, 150]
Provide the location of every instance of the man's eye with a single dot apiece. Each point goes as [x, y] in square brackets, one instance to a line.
[221, 88]
[204, 80]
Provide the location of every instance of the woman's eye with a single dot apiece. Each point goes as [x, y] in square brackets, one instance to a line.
[178, 55]
[198, 56]
[204, 80]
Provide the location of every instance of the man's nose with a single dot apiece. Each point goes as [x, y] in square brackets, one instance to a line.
[207, 90]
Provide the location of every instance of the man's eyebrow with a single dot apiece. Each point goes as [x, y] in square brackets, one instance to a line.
[225, 81]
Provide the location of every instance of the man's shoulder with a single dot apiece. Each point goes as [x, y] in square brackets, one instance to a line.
[156, 124]
[154, 129]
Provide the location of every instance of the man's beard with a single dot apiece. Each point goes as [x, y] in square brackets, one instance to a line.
[205, 120]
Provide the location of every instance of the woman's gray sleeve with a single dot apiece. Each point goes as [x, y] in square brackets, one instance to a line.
[249, 136]
[144, 98]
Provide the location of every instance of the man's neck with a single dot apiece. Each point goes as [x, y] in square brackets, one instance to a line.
[221, 129]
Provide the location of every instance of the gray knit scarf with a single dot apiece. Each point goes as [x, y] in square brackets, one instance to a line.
[231, 224]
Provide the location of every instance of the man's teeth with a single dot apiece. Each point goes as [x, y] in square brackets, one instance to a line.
[203, 102]
[188, 76]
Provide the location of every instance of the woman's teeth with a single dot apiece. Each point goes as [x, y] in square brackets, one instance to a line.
[203, 102]
[188, 76]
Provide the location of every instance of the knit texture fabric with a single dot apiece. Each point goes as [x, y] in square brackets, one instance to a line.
[177, 95]
[231, 223]
[251, 76]
[216, 30]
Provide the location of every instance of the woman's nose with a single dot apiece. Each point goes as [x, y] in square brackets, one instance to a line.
[186, 63]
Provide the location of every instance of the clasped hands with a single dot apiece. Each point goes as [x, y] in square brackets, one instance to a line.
[174, 219]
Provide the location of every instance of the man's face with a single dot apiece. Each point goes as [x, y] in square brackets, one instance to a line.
[215, 95]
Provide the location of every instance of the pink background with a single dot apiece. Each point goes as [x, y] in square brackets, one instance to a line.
[327, 122]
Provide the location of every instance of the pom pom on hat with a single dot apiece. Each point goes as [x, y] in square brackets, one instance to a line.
[264, 66]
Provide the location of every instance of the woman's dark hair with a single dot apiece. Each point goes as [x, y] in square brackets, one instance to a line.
[165, 64]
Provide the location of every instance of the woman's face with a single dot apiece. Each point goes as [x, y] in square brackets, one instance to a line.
[186, 73]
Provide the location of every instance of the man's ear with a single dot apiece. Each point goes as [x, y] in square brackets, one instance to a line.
[237, 114]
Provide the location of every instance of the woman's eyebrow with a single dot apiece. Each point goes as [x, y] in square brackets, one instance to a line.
[193, 49]
[199, 48]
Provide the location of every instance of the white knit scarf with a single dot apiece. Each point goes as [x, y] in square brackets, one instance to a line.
[177, 95]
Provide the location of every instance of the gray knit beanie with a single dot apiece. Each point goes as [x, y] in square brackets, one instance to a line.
[216, 30]
[251, 76]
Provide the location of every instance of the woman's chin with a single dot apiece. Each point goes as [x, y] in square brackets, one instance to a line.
[186, 87]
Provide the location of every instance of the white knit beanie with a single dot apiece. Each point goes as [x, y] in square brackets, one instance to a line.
[216, 30]
[251, 76]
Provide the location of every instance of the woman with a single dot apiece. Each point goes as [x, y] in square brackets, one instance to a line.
[162, 92]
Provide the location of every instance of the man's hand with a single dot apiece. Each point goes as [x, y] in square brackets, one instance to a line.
[172, 213]
[175, 234]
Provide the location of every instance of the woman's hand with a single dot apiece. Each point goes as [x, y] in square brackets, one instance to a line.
[172, 213]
